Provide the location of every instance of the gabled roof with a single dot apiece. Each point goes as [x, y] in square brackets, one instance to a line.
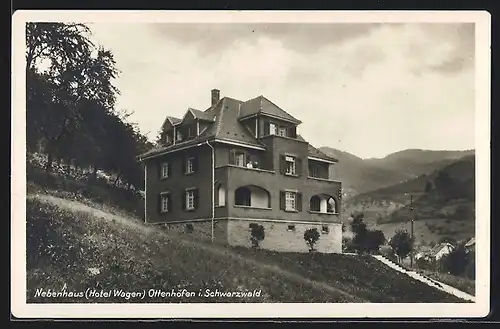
[201, 115]
[471, 242]
[437, 248]
[261, 105]
[173, 121]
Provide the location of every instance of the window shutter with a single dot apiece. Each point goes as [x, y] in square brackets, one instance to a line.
[183, 200]
[169, 203]
[292, 132]
[196, 198]
[298, 201]
[169, 169]
[195, 164]
[282, 200]
[266, 127]
[298, 166]
[184, 163]
[282, 164]
[159, 203]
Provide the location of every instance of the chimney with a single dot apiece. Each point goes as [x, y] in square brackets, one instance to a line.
[215, 96]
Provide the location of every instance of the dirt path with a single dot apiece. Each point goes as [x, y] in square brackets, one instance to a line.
[218, 250]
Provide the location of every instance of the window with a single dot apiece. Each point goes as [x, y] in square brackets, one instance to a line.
[325, 229]
[315, 203]
[272, 129]
[190, 199]
[331, 206]
[179, 135]
[189, 228]
[164, 170]
[291, 228]
[313, 171]
[168, 140]
[282, 131]
[243, 196]
[191, 131]
[290, 203]
[221, 196]
[164, 202]
[239, 159]
[290, 165]
[190, 165]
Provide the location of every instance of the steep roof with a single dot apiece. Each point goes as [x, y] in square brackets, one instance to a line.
[226, 124]
[173, 121]
[262, 105]
[314, 152]
[225, 117]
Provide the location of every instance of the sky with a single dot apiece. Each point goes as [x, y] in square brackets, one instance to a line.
[367, 89]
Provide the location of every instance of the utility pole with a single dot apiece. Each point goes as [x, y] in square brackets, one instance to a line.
[411, 229]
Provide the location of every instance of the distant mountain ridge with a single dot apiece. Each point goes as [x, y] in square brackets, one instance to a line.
[441, 202]
[363, 175]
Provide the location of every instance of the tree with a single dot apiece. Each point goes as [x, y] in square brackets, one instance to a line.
[365, 240]
[374, 239]
[402, 244]
[70, 103]
[257, 234]
[311, 236]
[456, 261]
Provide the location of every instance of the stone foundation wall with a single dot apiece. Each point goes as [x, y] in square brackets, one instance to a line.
[278, 237]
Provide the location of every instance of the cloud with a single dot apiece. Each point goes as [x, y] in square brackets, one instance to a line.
[306, 38]
[369, 89]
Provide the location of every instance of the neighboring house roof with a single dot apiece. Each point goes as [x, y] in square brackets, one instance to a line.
[262, 105]
[425, 249]
[470, 243]
[437, 248]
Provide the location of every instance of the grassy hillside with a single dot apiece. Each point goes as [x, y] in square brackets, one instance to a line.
[364, 175]
[74, 246]
[443, 203]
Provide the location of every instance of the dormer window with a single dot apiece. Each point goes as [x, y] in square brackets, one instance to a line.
[282, 131]
[191, 131]
[179, 136]
[272, 129]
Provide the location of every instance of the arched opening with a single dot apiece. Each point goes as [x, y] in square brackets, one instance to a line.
[220, 195]
[323, 203]
[252, 196]
[331, 205]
